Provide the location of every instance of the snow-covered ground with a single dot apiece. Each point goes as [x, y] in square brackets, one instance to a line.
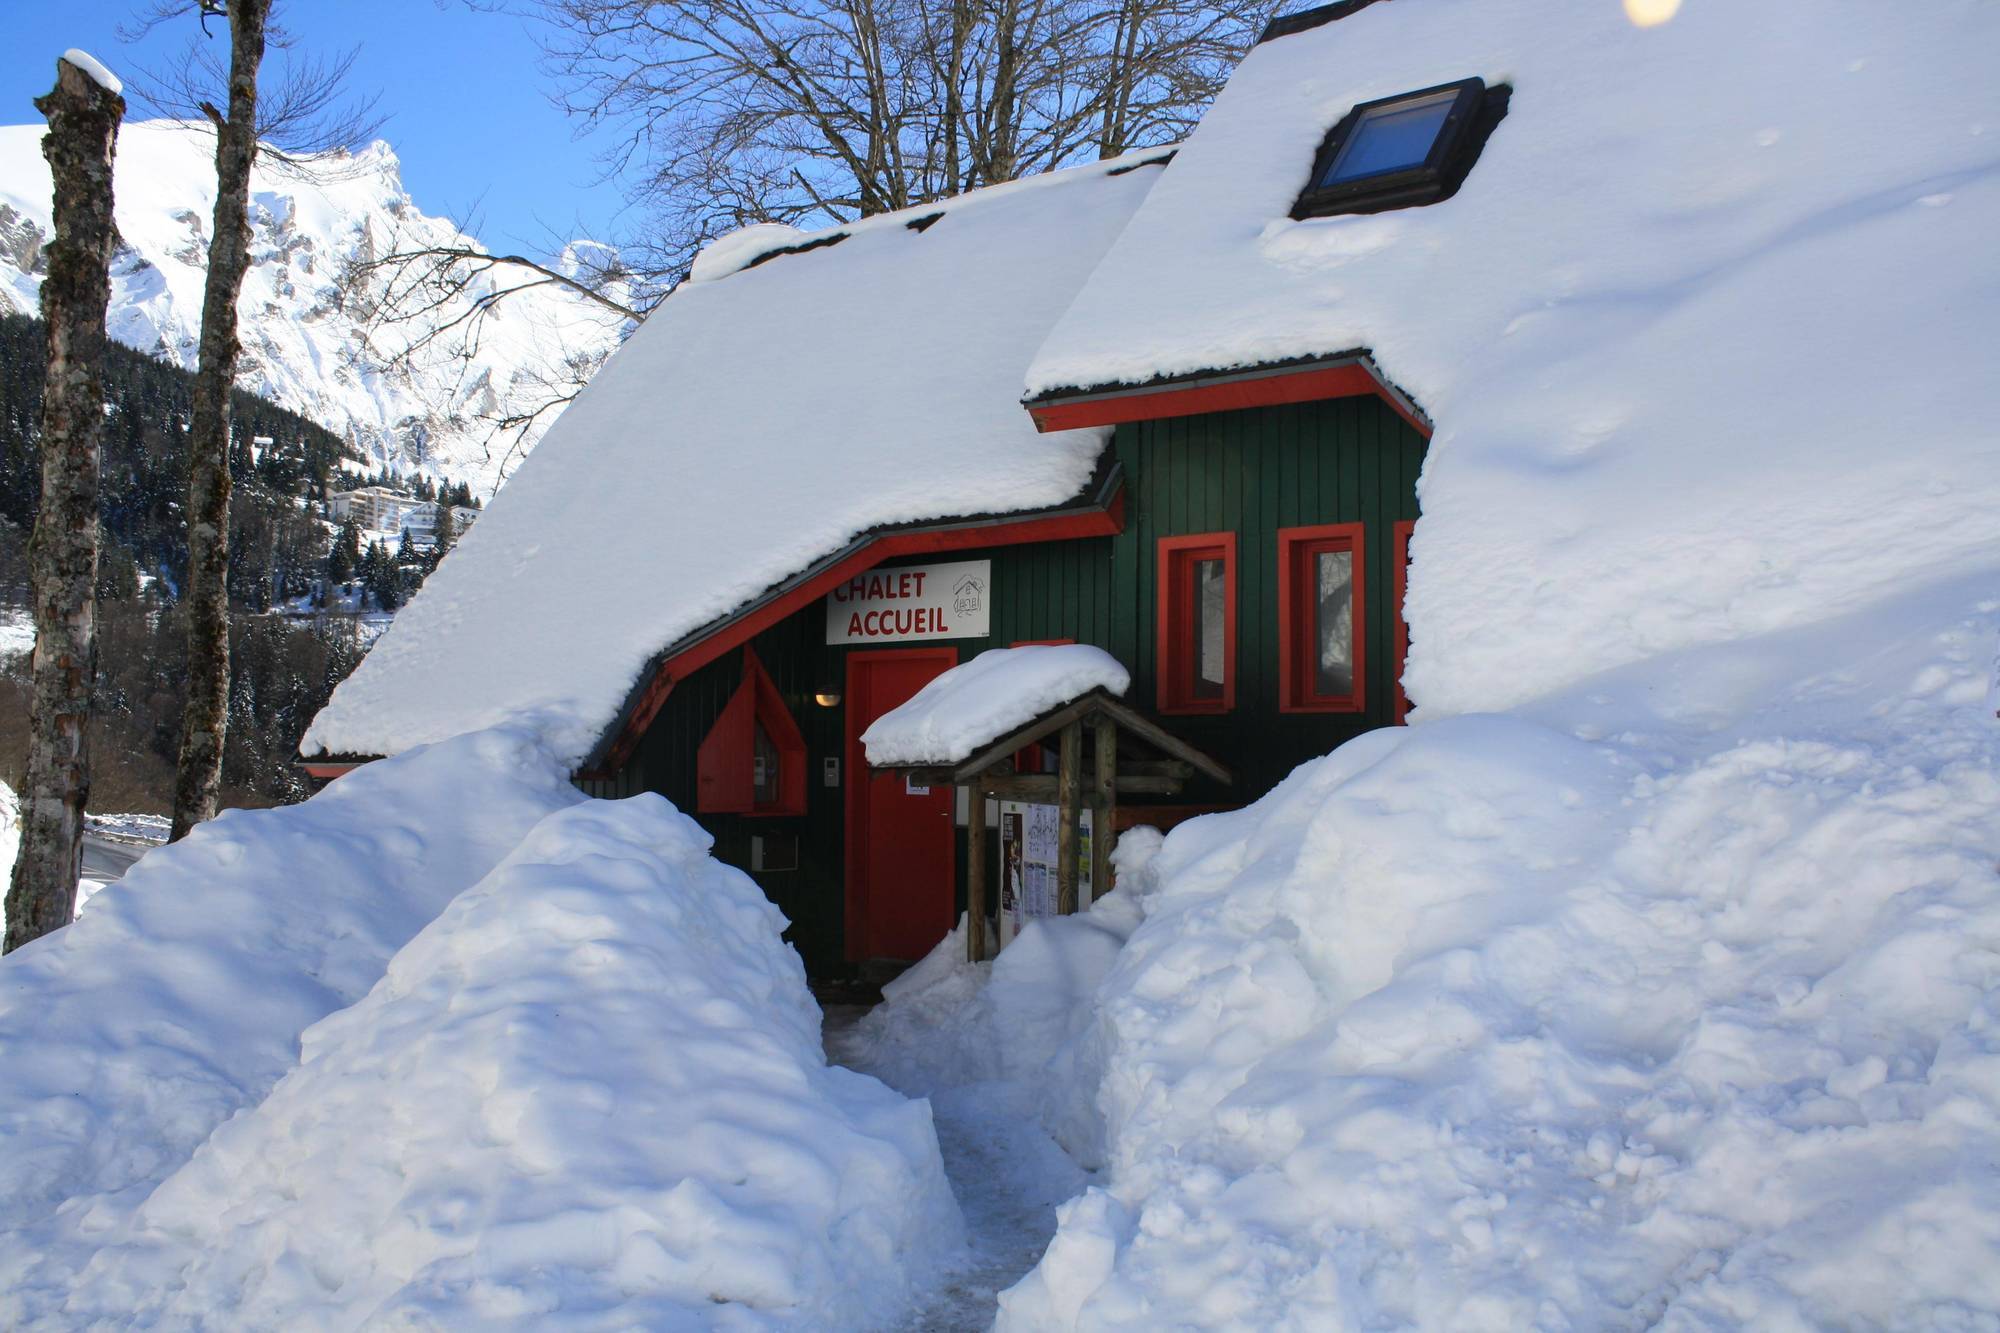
[590, 1094]
[447, 1043]
[17, 631]
[177, 1000]
[130, 827]
[10, 839]
[1673, 1002]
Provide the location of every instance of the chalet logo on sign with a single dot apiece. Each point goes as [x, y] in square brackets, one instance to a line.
[949, 601]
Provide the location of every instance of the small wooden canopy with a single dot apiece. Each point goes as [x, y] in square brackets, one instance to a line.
[989, 772]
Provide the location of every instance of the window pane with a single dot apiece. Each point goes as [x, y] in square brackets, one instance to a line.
[1210, 605]
[764, 769]
[1333, 671]
[1391, 138]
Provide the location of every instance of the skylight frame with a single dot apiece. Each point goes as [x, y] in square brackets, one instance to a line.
[1436, 177]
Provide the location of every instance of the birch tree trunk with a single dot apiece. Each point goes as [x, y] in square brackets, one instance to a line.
[83, 121]
[205, 717]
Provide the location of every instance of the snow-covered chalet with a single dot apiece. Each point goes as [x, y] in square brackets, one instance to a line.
[1441, 279]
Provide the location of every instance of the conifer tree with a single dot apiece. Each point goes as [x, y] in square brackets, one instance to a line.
[446, 536]
[342, 560]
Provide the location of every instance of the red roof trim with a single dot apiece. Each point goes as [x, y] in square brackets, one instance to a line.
[329, 770]
[1004, 532]
[1225, 393]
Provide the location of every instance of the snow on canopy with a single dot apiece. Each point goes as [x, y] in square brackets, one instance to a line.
[751, 426]
[981, 700]
[1707, 333]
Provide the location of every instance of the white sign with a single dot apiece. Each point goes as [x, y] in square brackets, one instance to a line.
[950, 601]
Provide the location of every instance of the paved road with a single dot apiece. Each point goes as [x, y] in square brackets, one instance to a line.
[107, 859]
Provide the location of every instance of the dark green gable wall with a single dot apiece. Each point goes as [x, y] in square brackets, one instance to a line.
[1250, 472]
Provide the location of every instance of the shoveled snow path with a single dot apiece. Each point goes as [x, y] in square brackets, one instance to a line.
[1008, 1175]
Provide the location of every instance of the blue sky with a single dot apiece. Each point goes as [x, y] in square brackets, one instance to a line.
[469, 112]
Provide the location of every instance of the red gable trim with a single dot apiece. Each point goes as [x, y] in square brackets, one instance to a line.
[1348, 378]
[330, 769]
[1004, 532]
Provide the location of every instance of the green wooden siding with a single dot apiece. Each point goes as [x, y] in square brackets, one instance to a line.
[1250, 472]
[1254, 473]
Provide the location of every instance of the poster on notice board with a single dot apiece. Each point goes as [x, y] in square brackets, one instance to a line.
[1028, 855]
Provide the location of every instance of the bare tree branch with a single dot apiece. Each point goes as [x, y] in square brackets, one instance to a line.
[813, 113]
[308, 120]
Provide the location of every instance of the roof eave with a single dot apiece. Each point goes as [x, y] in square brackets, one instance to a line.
[1098, 510]
[1349, 374]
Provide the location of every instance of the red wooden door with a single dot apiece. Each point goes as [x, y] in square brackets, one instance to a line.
[901, 874]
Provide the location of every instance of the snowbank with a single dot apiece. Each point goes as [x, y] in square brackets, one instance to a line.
[590, 1094]
[897, 356]
[1674, 1005]
[1707, 334]
[981, 700]
[178, 999]
[1024, 1019]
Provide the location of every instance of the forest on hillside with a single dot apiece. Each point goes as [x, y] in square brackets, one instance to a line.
[284, 558]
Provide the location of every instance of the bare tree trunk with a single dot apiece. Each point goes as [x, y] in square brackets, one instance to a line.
[205, 719]
[83, 134]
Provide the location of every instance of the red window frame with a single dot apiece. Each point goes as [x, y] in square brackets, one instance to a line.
[1401, 575]
[1298, 603]
[1174, 662]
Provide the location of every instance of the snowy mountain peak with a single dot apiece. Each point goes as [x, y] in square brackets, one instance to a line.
[415, 395]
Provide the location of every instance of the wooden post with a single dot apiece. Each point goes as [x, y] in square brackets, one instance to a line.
[1068, 811]
[975, 875]
[1103, 806]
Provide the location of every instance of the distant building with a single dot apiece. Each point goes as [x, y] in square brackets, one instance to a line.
[419, 521]
[375, 507]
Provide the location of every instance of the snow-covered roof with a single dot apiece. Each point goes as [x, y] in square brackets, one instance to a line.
[980, 701]
[1704, 334]
[756, 422]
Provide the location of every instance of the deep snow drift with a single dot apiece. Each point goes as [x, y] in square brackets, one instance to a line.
[590, 1094]
[1674, 1003]
[568, 1071]
[177, 1000]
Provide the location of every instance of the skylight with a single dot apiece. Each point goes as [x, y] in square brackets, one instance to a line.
[1395, 137]
[1398, 152]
